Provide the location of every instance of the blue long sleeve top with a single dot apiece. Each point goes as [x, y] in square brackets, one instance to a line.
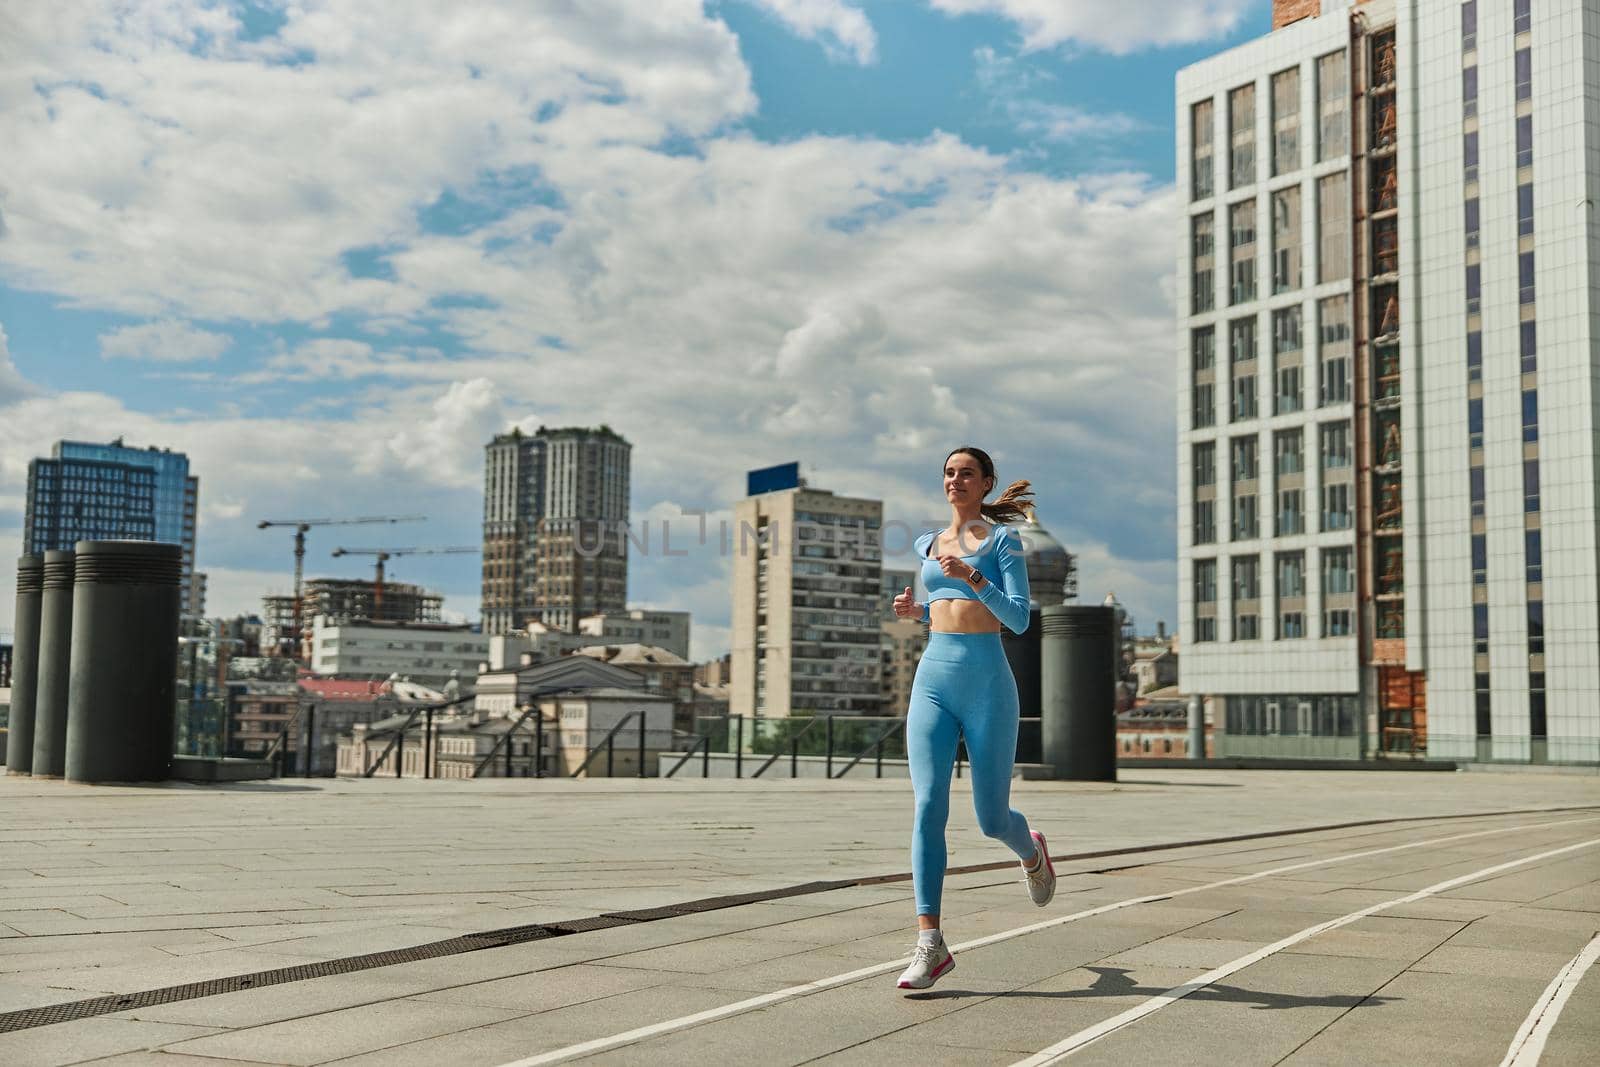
[1000, 560]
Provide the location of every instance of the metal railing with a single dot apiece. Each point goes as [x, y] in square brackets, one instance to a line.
[609, 743]
[842, 742]
[506, 739]
[399, 738]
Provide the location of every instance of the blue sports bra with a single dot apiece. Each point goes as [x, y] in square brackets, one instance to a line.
[1000, 560]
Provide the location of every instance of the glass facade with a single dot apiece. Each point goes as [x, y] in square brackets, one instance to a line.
[93, 492]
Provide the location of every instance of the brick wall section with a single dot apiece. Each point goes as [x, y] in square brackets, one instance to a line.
[1287, 11]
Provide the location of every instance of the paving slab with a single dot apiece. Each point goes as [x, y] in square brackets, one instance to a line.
[171, 885]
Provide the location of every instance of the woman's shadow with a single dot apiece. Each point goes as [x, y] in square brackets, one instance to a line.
[1117, 982]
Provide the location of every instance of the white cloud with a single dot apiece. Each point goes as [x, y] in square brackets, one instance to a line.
[1118, 28]
[12, 385]
[859, 305]
[843, 31]
[1017, 90]
[165, 341]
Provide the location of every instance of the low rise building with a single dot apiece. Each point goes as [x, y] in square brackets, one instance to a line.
[643, 626]
[428, 654]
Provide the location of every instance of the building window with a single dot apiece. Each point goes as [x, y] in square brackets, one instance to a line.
[1469, 157]
[1202, 165]
[1205, 405]
[1333, 227]
[1474, 287]
[1338, 579]
[1524, 74]
[1474, 422]
[1480, 629]
[1533, 556]
[1480, 559]
[1473, 222]
[1520, 21]
[1469, 92]
[1525, 278]
[1242, 357]
[1291, 588]
[1475, 488]
[1333, 91]
[1286, 121]
[1205, 522]
[1288, 448]
[1336, 622]
[1246, 521]
[1205, 581]
[1286, 239]
[1336, 506]
[1525, 209]
[1469, 26]
[1202, 230]
[1333, 333]
[1246, 590]
[1290, 519]
[1241, 136]
[1205, 464]
[1245, 464]
[1528, 346]
[1530, 485]
[1475, 356]
[1524, 141]
[1242, 252]
[1287, 398]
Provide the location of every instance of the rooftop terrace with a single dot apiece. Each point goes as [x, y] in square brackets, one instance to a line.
[528, 921]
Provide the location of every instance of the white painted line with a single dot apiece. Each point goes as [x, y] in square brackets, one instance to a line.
[1064, 1048]
[1528, 1045]
[600, 1044]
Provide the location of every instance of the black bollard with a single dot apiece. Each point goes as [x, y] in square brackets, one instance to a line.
[24, 665]
[1078, 648]
[122, 703]
[1022, 653]
[55, 665]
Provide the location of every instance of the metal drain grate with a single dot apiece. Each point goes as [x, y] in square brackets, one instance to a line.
[72, 1011]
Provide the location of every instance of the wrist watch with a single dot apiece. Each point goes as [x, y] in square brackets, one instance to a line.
[975, 579]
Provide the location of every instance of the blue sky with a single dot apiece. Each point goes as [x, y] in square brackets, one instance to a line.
[329, 256]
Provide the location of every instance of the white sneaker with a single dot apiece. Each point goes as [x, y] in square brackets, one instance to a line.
[928, 965]
[1041, 881]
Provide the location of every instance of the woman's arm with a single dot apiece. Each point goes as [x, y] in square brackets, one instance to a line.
[1009, 604]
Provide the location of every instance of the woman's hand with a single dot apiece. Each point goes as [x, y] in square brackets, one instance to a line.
[953, 567]
[905, 607]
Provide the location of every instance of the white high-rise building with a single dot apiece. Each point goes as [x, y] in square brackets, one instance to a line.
[1389, 384]
[807, 585]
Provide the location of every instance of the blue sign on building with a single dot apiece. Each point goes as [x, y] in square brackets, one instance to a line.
[772, 479]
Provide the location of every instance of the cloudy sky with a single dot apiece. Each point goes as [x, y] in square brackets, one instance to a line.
[329, 247]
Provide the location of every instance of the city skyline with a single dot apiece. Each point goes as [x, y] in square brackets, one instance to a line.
[855, 239]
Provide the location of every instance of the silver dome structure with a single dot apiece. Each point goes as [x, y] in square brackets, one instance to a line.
[1052, 570]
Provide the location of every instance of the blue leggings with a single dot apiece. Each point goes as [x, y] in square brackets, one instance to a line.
[963, 688]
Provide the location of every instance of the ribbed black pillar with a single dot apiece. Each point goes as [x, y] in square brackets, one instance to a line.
[1022, 653]
[55, 663]
[124, 661]
[1078, 650]
[24, 665]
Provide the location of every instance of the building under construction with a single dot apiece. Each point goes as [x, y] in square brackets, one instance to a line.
[345, 600]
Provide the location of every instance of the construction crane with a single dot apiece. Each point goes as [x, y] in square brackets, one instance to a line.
[301, 528]
[383, 555]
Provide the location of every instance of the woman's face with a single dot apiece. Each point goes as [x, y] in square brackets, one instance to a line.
[964, 482]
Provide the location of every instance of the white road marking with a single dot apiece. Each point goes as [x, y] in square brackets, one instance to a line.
[628, 1037]
[1066, 1047]
[1528, 1045]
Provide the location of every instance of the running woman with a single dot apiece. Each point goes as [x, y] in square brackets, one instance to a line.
[976, 580]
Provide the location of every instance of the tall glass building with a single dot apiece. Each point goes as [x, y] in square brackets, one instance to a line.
[1389, 398]
[91, 492]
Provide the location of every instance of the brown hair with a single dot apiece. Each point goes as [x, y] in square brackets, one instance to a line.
[1012, 504]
